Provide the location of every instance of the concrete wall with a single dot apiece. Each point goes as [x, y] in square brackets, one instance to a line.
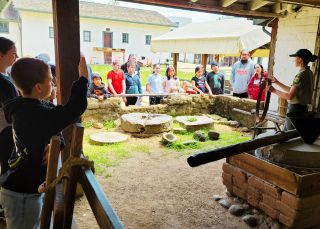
[298, 30]
[35, 36]
[222, 105]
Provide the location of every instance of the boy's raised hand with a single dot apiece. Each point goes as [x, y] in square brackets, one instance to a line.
[83, 70]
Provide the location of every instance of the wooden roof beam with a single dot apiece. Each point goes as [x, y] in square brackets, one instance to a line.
[226, 3]
[207, 8]
[256, 4]
[279, 7]
[311, 3]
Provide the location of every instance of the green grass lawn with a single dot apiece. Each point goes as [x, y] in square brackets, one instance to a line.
[146, 72]
[110, 155]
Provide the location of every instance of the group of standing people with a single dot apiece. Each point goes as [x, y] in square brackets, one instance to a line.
[124, 80]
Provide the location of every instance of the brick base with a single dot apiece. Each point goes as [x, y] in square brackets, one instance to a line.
[290, 210]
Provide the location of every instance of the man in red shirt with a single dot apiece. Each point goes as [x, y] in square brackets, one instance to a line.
[116, 82]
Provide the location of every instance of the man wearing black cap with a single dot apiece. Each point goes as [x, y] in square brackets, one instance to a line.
[215, 79]
[299, 94]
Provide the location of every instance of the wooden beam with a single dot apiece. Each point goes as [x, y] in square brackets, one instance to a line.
[67, 52]
[204, 60]
[226, 3]
[312, 3]
[279, 7]
[256, 4]
[316, 70]
[208, 8]
[175, 61]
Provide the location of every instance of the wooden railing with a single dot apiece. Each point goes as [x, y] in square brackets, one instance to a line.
[59, 202]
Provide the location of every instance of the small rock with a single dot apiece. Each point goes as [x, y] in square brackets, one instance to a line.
[179, 130]
[275, 225]
[255, 211]
[246, 206]
[213, 135]
[269, 220]
[251, 220]
[216, 197]
[97, 125]
[237, 200]
[200, 136]
[168, 138]
[245, 129]
[236, 210]
[190, 142]
[234, 123]
[226, 203]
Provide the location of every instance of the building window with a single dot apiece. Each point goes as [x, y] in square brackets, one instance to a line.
[125, 38]
[51, 32]
[87, 36]
[148, 39]
[4, 27]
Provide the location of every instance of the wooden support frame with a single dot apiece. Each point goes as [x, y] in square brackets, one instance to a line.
[273, 42]
[175, 61]
[316, 70]
[208, 8]
[204, 60]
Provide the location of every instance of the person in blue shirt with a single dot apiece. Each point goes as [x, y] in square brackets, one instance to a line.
[241, 73]
[133, 84]
[215, 79]
[154, 85]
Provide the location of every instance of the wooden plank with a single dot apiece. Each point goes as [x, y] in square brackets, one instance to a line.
[226, 3]
[71, 184]
[105, 215]
[67, 53]
[312, 3]
[175, 61]
[279, 7]
[211, 8]
[52, 167]
[256, 4]
[310, 184]
[264, 170]
[58, 209]
[204, 60]
[316, 70]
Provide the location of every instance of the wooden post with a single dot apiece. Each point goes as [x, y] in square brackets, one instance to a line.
[71, 184]
[204, 60]
[67, 52]
[175, 61]
[316, 70]
[52, 166]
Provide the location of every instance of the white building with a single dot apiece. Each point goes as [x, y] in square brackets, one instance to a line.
[107, 32]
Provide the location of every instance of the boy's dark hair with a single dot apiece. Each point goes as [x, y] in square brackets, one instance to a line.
[131, 64]
[27, 72]
[5, 45]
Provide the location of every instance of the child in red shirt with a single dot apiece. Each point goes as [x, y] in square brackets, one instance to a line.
[116, 82]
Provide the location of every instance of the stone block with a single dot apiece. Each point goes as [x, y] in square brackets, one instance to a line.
[270, 201]
[226, 179]
[239, 192]
[300, 203]
[227, 168]
[273, 213]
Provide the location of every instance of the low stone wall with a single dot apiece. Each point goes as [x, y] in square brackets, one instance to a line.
[222, 105]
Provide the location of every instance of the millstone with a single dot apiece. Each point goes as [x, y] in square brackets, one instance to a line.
[168, 138]
[193, 123]
[294, 152]
[146, 123]
[107, 137]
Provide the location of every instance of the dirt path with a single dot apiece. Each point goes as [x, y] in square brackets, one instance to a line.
[162, 191]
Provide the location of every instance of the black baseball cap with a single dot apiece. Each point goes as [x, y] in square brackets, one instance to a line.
[304, 54]
[214, 63]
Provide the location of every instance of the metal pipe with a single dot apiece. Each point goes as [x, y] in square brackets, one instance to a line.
[223, 152]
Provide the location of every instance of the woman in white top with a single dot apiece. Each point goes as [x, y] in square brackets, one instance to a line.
[171, 83]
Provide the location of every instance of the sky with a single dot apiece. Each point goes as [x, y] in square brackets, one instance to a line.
[196, 16]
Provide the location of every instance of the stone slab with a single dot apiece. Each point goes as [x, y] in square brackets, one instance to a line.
[107, 137]
[199, 122]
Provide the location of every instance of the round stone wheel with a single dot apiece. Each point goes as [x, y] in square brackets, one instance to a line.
[294, 153]
[145, 123]
[197, 123]
[107, 137]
